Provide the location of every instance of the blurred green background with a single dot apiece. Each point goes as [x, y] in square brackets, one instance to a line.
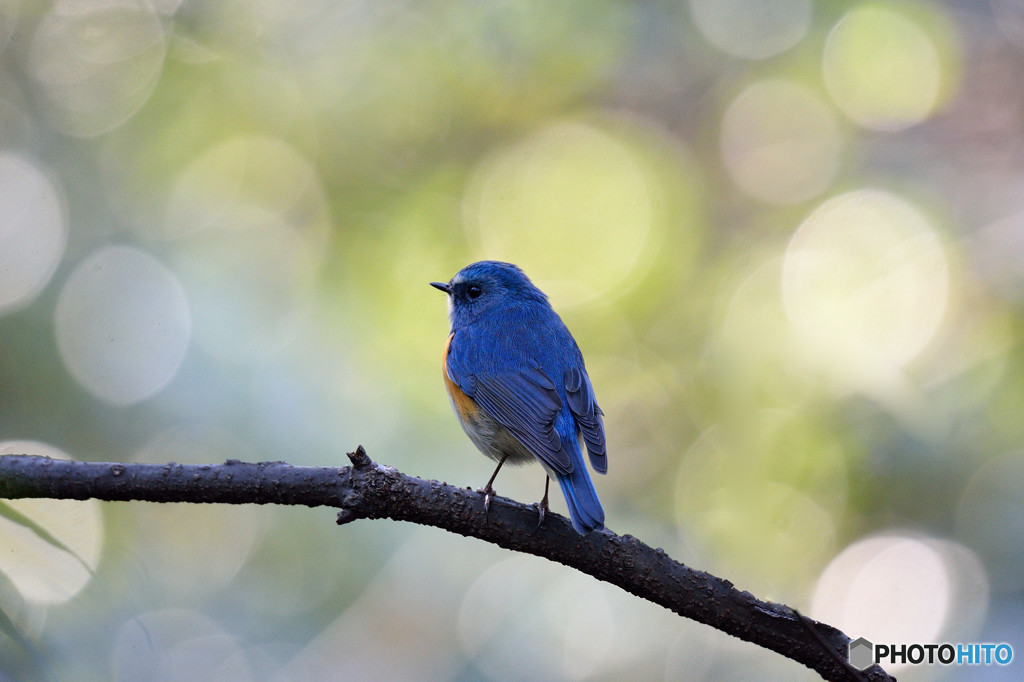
[788, 236]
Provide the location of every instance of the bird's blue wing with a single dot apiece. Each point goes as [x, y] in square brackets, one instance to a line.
[580, 396]
[523, 400]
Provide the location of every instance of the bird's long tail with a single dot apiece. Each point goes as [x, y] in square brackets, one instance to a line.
[584, 508]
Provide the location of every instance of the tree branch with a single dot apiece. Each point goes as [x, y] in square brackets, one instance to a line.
[368, 490]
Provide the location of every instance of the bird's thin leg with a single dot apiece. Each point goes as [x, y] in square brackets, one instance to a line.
[487, 490]
[543, 504]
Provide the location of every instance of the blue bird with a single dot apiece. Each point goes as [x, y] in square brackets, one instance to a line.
[518, 385]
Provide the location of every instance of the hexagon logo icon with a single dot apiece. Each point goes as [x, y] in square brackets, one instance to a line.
[862, 653]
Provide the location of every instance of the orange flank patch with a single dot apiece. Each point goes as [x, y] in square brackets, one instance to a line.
[464, 405]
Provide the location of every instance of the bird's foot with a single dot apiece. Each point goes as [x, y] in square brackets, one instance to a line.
[488, 492]
[542, 506]
[542, 510]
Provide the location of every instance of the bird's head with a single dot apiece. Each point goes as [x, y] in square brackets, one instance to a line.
[483, 286]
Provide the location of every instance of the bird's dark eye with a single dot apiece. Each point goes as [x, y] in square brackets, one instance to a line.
[474, 291]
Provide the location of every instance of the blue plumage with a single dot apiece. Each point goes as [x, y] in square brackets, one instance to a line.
[518, 383]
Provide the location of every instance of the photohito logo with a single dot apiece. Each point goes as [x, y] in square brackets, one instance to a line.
[863, 654]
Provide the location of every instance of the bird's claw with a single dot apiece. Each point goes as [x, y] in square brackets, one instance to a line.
[542, 506]
[488, 492]
[542, 510]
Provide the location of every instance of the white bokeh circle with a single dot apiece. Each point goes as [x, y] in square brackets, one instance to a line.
[122, 324]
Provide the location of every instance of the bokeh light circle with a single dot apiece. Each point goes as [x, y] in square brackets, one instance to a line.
[249, 225]
[97, 62]
[33, 232]
[780, 142]
[55, 553]
[754, 29]
[244, 173]
[122, 324]
[882, 69]
[888, 589]
[573, 204]
[760, 493]
[865, 282]
[901, 588]
[251, 287]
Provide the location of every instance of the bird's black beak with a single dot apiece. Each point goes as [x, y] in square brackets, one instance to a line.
[443, 286]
